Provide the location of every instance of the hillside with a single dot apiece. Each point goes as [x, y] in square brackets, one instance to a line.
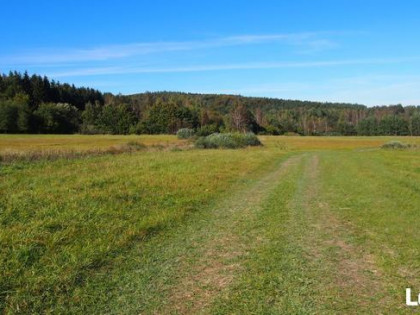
[34, 104]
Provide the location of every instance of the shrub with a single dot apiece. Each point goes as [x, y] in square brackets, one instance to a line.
[395, 145]
[185, 133]
[272, 130]
[207, 130]
[227, 140]
[246, 139]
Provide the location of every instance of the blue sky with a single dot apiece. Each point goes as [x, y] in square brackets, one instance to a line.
[364, 52]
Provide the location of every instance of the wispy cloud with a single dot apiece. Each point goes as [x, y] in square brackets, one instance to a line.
[49, 56]
[369, 90]
[219, 67]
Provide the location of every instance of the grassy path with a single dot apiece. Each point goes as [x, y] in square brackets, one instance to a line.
[222, 246]
[187, 269]
[307, 261]
[274, 246]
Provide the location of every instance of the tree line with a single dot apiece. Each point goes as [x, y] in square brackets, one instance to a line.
[35, 104]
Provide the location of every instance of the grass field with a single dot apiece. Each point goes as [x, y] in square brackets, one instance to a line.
[301, 225]
[49, 147]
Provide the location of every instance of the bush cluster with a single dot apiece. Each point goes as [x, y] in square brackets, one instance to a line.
[395, 145]
[185, 133]
[227, 140]
[207, 130]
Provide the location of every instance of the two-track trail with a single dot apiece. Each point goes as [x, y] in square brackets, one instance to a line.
[270, 247]
[221, 245]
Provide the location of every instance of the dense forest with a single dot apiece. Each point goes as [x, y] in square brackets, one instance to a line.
[35, 104]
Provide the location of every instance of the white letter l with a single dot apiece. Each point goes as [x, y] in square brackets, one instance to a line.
[408, 298]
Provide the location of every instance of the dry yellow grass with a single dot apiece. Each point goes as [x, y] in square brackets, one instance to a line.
[22, 143]
[36, 147]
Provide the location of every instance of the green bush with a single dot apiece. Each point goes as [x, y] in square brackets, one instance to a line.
[272, 130]
[227, 140]
[207, 130]
[185, 133]
[395, 145]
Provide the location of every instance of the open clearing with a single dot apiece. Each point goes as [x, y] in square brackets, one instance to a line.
[302, 225]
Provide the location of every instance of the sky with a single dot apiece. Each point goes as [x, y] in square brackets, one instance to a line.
[365, 52]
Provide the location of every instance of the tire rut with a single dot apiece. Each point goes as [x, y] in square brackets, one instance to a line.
[221, 247]
[351, 267]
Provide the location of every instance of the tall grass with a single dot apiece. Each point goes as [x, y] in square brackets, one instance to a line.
[28, 148]
[24, 143]
[50, 155]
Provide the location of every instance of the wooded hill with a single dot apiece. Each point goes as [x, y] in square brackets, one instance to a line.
[34, 104]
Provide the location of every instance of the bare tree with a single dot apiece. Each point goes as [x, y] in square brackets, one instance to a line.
[239, 115]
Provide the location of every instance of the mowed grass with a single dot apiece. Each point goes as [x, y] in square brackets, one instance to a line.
[337, 235]
[63, 220]
[300, 225]
[378, 193]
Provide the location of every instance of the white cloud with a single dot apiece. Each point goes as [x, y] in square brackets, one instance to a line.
[219, 67]
[312, 40]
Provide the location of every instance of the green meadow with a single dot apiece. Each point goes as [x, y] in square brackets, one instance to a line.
[300, 225]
